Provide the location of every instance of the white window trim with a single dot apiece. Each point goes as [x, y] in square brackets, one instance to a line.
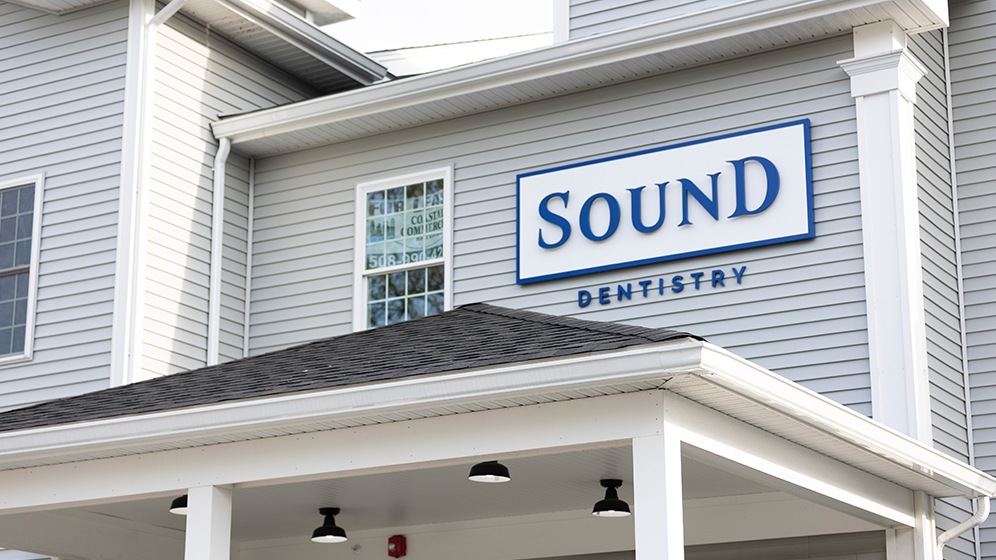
[29, 323]
[360, 235]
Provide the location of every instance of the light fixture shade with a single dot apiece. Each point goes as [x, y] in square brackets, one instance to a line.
[179, 505]
[611, 505]
[489, 471]
[329, 532]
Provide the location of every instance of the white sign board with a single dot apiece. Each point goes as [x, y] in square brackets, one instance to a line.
[719, 194]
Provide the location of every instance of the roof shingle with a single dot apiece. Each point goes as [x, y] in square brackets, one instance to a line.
[472, 336]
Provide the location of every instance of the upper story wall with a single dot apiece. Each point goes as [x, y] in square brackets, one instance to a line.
[199, 76]
[800, 307]
[61, 104]
[973, 76]
[591, 17]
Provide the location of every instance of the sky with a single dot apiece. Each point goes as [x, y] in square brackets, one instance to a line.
[390, 24]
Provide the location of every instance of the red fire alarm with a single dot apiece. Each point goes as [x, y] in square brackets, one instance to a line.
[397, 546]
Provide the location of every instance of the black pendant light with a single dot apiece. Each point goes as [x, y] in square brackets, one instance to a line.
[329, 532]
[611, 505]
[179, 506]
[489, 471]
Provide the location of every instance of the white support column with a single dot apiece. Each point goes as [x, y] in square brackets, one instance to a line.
[209, 523]
[914, 543]
[658, 516]
[883, 84]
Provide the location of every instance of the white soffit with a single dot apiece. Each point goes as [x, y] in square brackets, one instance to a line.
[283, 37]
[696, 371]
[730, 30]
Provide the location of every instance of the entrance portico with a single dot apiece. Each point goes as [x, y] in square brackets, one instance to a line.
[711, 449]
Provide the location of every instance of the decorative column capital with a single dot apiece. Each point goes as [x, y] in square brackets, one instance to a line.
[881, 73]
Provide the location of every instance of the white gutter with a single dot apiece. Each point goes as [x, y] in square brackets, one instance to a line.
[728, 20]
[217, 250]
[688, 368]
[646, 363]
[749, 380]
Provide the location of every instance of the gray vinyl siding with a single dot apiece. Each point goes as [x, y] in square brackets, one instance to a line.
[972, 47]
[940, 275]
[236, 251]
[199, 76]
[591, 17]
[61, 106]
[937, 236]
[800, 310]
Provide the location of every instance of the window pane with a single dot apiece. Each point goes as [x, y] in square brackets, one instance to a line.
[415, 195]
[6, 255]
[8, 229]
[436, 278]
[396, 200]
[17, 340]
[395, 311]
[20, 312]
[416, 281]
[5, 338]
[26, 201]
[21, 291]
[8, 202]
[7, 313]
[8, 287]
[396, 285]
[23, 256]
[416, 307]
[375, 203]
[376, 316]
[24, 226]
[434, 304]
[377, 287]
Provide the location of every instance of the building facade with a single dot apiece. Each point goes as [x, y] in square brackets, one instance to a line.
[805, 185]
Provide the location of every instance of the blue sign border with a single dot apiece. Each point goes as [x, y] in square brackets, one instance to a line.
[629, 264]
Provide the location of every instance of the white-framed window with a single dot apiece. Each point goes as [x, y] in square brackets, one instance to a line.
[403, 257]
[20, 233]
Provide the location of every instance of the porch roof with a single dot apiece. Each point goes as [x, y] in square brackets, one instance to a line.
[472, 336]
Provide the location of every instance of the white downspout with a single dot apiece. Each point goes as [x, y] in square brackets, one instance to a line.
[217, 245]
[980, 516]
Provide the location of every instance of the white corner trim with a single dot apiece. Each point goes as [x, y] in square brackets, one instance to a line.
[123, 331]
[136, 154]
[561, 20]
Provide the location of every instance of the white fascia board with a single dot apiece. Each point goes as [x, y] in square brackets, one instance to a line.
[778, 393]
[684, 31]
[645, 363]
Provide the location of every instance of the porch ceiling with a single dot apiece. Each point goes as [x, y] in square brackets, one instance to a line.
[540, 484]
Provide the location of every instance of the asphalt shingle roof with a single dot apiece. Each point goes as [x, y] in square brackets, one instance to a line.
[472, 336]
